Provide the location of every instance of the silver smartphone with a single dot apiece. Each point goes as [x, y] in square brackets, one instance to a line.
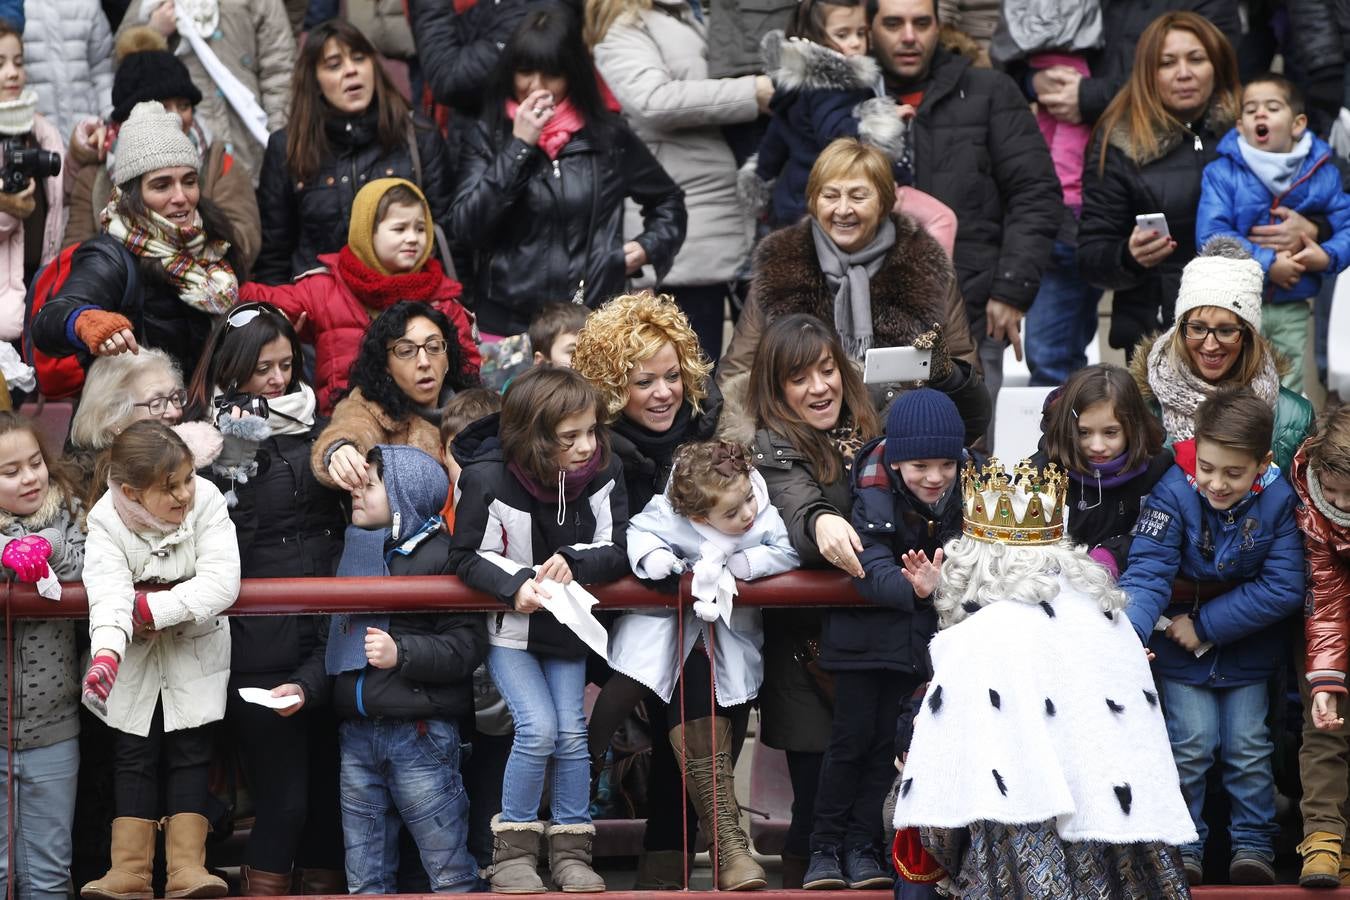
[1153, 222]
[884, 365]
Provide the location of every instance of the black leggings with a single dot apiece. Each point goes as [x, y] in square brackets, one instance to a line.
[664, 785]
[290, 766]
[185, 756]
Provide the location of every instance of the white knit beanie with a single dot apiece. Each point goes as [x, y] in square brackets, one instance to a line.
[1224, 275]
[151, 139]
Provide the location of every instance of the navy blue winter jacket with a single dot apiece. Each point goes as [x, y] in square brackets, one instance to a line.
[1255, 545]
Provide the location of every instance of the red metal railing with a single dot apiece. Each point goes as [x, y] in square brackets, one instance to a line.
[272, 596]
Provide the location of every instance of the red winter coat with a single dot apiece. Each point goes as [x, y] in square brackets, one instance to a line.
[336, 321]
[1327, 626]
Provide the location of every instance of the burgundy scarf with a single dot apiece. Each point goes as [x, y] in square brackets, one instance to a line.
[379, 292]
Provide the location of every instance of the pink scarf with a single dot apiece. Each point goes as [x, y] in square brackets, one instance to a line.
[566, 122]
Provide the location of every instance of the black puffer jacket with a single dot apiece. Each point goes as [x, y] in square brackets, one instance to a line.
[437, 653]
[1168, 183]
[502, 531]
[540, 228]
[288, 526]
[301, 220]
[99, 270]
[895, 631]
[1319, 45]
[977, 149]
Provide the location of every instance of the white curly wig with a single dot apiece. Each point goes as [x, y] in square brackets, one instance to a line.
[978, 573]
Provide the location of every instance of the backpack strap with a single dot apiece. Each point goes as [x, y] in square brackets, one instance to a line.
[442, 243]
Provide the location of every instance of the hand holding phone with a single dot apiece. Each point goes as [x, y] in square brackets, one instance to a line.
[1151, 242]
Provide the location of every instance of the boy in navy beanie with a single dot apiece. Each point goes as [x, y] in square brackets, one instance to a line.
[905, 507]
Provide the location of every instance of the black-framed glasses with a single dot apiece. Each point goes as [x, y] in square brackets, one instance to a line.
[157, 405]
[405, 349]
[1199, 332]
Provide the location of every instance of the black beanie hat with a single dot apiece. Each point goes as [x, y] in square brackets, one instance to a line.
[150, 75]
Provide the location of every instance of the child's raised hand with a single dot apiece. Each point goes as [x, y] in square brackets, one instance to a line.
[381, 651]
[528, 597]
[1324, 712]
[1182, 630]
[556, 568]
[922, 574]
[289, 690]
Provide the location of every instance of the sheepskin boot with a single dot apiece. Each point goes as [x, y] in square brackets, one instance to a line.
[257, 883]
[133, 860]
[185, 850]
[709, 773]
[515, 857]
[569, 858]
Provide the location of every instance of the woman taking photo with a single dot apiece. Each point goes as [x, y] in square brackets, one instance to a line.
[165, 264]
[1217, 342]
[879, 278]
[1152, 144]
[408, 367]
[30, 219]
[812, 414]
[543, 180]
[288, 526]
[349, 125]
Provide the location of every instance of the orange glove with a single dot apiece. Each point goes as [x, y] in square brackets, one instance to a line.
[94, 326]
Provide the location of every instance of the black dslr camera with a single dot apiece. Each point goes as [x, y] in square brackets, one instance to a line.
[250, 404]
[19, 162]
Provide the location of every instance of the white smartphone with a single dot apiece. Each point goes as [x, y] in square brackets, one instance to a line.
[884, 365]
[1153, 222]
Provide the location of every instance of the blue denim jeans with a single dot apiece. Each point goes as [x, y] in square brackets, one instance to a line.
[1061, 321]
[400, 769]
[44, 807]
[544, 694]
[1230, 723]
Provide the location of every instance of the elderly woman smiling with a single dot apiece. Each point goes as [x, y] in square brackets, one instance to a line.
[875, 276]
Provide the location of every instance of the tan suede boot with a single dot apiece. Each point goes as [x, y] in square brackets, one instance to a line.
[569, 859]
[1321, 853]
[133, 859]
[185, 849]
[693, 743]
[515, 857]
[257, 883]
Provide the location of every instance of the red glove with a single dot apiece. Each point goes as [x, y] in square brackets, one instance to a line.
[94, 326]
[141, 617]
[98, 682]
[27, 557]
[915, 864]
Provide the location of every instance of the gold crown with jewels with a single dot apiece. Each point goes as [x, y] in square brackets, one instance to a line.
[1026, 507]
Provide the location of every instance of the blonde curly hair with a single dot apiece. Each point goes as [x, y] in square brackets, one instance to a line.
[632, 328]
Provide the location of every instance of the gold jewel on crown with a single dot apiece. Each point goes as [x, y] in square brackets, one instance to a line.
[1026, 507]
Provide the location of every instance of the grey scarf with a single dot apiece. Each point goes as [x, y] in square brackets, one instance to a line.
[850, 276]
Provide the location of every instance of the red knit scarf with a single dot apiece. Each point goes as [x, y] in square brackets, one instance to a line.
[379, 292]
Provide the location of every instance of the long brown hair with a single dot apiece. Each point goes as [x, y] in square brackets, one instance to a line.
[1101, 383]
[306, 143]
[1251, 360]
[1138, 108]
[58, 473]
[534, 405]
[789, 345]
